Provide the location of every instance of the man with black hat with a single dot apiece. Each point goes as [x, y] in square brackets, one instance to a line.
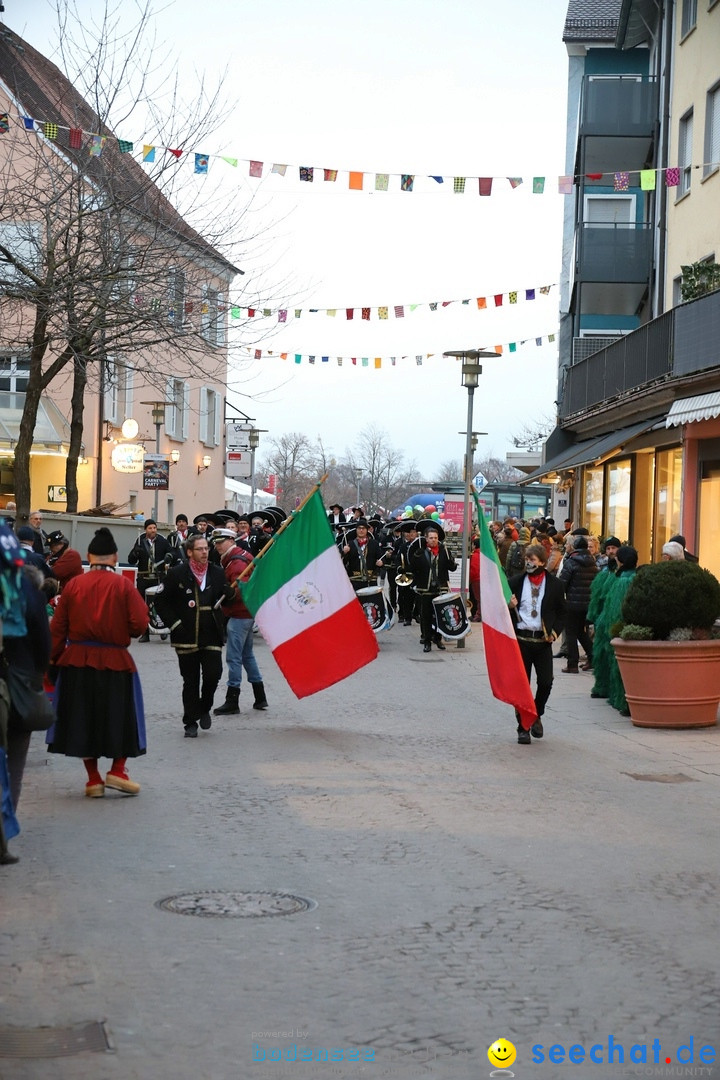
[361, 555]
[430, 563]
[148, 550]
[407, 597]
[179, 535]
[99, 700]
[64, 562]
[678, 538]
[239, 652]
[335, 514]
[186, 603]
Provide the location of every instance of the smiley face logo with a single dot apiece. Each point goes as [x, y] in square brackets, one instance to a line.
[502, 1053]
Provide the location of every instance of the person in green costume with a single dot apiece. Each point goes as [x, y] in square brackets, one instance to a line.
[627, 558]
[596, 615]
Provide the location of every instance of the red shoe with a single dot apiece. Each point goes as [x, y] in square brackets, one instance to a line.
[122, 782]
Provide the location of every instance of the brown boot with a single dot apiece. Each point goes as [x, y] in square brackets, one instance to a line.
[571, 669]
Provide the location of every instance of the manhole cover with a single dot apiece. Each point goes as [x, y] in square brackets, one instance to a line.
[662, 778]
[50, 1042]
[219, 904]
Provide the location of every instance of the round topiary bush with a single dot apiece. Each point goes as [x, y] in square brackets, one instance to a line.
[667, 595]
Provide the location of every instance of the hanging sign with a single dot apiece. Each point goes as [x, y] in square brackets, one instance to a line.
[237, 436]
[127, 457]
[238, 464]
[156, 472]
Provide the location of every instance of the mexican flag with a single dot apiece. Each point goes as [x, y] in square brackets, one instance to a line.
[506, 671]
[305, 606]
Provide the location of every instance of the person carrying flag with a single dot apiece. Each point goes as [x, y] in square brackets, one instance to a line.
[537, 606]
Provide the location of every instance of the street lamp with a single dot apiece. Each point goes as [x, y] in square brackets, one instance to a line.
[158, 419]
[471, 372]
[358, 478]
[253, 443]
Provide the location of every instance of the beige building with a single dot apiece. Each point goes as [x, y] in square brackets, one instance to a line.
[107, 289]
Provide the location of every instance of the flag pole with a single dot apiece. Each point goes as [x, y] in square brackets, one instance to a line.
[290, 518]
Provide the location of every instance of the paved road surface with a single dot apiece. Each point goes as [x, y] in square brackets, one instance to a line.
[467, 889]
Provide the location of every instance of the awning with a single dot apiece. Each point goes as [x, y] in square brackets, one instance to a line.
[52, 430]
[691, 409]
[590, 450]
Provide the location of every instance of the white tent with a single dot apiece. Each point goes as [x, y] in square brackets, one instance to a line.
[238, 495]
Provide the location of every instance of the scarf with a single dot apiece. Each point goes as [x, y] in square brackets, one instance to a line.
[199, 570]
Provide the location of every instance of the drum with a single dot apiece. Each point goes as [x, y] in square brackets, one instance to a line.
[450, 616]
[373, 604]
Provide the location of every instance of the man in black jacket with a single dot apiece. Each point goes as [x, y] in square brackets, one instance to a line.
[430, 563]
[149, 549]
[186, 604]
[577, 574]
[537, 607]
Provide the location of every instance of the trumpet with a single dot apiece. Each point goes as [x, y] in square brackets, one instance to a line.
[403, 578]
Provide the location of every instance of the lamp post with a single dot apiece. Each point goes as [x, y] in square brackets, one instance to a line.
[471, 372]
[253, 443]
[358, 478]
[158, 419]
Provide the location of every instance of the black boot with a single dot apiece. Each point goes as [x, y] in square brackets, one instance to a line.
[261, 701]
[230, 706]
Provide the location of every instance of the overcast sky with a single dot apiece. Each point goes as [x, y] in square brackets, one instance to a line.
[459, 88]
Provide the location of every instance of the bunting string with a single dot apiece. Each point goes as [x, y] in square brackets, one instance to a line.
[378, 361]
[382, 312]
[621, 179]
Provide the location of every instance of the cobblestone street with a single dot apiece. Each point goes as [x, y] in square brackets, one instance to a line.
[466, 888]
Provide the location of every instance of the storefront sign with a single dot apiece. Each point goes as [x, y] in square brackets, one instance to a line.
[127, 458]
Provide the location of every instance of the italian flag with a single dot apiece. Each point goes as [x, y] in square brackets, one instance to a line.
[506, 670]
[305, 606]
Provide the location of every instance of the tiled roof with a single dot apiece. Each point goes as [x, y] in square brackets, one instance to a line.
[45, 94]
[592, 20]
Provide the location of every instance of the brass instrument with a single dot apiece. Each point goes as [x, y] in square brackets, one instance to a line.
[403, 578]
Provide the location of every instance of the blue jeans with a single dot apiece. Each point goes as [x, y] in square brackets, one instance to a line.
[239, 652]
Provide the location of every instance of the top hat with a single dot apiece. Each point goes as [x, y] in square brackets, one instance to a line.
[226, 515]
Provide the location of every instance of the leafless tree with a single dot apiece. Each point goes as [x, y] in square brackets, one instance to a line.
[98, 269]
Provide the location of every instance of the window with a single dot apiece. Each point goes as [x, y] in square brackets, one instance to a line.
[22, 242]
[14, 372]
[689, 17]
[685, 153]
[213, 316]
[711, 156]
[118, 385]
[177, 414]
[210, 402]
[176, 298]
[610, 211]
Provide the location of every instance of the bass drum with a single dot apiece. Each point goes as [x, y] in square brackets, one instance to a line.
[375, 608]
[450, 616]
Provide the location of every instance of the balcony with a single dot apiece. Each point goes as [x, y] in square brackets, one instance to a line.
[624, 106]
[679, 343]
[614, 252]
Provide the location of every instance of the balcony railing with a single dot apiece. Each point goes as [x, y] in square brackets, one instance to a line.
[625, 105]
[614, 252]
[679, 343]
[586, 346]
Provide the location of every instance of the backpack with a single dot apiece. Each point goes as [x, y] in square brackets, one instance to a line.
[516, 558]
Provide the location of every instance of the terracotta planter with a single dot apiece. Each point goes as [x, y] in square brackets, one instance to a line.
[670, 684]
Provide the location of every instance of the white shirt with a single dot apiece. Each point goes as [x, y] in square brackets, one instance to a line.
[529, 603]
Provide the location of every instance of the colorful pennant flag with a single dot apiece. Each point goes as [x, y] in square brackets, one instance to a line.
[330, 175]
[647, 179]
[538, 185]
[515, 181]
[459, 185]
[50, 131]
[148, 153]
[97, 145]
[125, 147]
[201, 163]
[485, 185]
[565, 185]
[4, 123]
[306, 174]
[621, 181]
[382, 181]
[256, 168]
[672, 177]
[75, 138]
[355, 181]
[230, 160]
[406, 182]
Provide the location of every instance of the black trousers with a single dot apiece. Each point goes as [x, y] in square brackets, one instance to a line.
[428, 630]
[205, 663]
[538, 655]
[576, 630]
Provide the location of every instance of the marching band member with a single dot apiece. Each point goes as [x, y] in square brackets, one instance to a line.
[361, 555]
[430, 563]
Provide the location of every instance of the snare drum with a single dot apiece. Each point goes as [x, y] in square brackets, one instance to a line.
[373, 604]
[450, 616]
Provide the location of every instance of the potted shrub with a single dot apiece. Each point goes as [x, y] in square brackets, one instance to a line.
[668, 650]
